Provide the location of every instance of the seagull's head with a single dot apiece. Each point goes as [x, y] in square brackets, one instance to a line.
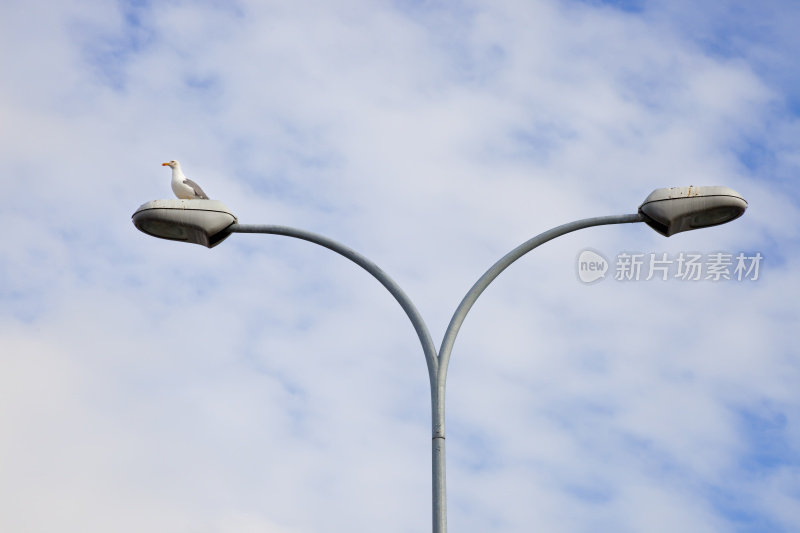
[172, 164]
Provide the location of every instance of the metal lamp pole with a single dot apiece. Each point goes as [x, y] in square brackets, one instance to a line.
[668, 211]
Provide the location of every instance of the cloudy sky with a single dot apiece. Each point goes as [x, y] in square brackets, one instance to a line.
[269, 385]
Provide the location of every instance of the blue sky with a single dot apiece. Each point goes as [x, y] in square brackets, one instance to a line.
[270, 385]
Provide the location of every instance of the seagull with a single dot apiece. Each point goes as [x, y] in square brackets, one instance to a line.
[183, 187]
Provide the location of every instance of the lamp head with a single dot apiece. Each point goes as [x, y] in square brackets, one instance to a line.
[205, 222]
[676, 209]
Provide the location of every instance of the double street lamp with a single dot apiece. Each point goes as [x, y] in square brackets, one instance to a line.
[667, 211]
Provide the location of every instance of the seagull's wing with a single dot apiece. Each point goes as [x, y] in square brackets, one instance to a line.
[198, 192]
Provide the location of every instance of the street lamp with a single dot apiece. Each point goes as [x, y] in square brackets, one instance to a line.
[668, 211]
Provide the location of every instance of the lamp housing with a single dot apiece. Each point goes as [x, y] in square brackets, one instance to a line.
[676, 209]
[205, 222]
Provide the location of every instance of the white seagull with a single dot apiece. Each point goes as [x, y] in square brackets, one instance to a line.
[183, 187]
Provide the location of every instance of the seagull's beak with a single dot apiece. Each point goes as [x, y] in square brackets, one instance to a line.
[164, 164]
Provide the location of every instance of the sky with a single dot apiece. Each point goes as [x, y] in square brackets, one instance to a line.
[270, 385]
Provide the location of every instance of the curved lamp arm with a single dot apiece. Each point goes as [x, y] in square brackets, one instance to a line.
[405, 302]
[439, 490]
[491, 274]
[439, 505]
